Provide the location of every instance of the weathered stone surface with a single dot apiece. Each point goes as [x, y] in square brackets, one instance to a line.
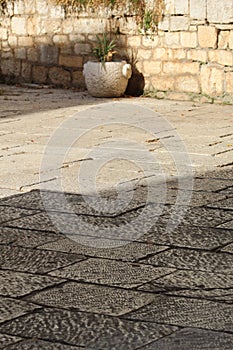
[59, 76]
[39, 74]
[36, 344]
[222, 57]
[11, 308]
[190, 338]
[6, 340]
[110, 333]
[229, 82]
[14, 284]
[219, 12]
[92, 298]
[71, 61]
[127, 252]
[198, 9]
[19, 25]
[10, 213]
[48, 54]
[226, 203]
[212, 80]
[109, 272]
[193, 260]
[31, 260]
[205, 314]
[187, 83]
[188, 39]
[178, 23]
[207, 36]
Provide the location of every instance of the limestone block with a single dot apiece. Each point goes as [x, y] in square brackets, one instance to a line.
[127, 25]
[39, 74]
[10, 67]
[42, 7]
[60, 39]
[7, 53]
[77, 37]
[59, 76]
[144, 54]
[91, 25]
[134, 40]
[71, 61]
[44, 39]
[181, 67]
[68, 26]
[25, 41]
[187, 83]
[152, 67]
[48, 54]
[56, 12]
[229, 82]
[177, 54]
[52, 26]
[78, 79]
[12, 40]
[198, 9]
[197, 55]
[34, 26]
[207, 36]
[162, 82]
[20, 53]
[164, 24]
[212, 80]
[30, 7]
[82, 48]
[161, 53]
[26, 71]
[178, 23]
[222, 57]
[3, 33]
[181, 7]
[19, 25]
[188, 39]
[32, 54]
[19, 7]
[223, 39]
[172, 39]
[220, 11]
[150, 41]
[231, 40]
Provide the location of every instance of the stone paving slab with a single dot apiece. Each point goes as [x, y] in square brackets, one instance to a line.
[40, 344]
[6, 340]
[88, 330]
[11, 308]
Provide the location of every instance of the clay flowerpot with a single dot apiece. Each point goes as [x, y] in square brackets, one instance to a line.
[107, 80]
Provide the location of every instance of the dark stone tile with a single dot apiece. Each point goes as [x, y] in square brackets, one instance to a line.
[191, 281]
[36, 344]
[6, 340]
[11, 308]
[16, 284]
[26, 238]
[126, 252]
[88, 330]
[228, 249]
[187, 312]
[110, 272]
[189, 236]
[10, 213]
[227, 225]
[92, 298]
[204, 184]
[193, 260]
[226, 203]
[193, 339]
[31, 260]
[222, 295]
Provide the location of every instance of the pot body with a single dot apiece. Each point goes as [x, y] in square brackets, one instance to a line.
[107, 80]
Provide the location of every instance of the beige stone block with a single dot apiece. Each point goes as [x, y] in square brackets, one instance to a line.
[12, 40]
[164, 24]
[181, 67]
[178, 23]
[177, 54]
[198, 9]
[172, 39]
[30, 7]
[20, 53]
[42, 7]
[187, 83]
[60, 39]
[160, 53]
[68, 26]
[126, 25]
[134, 41]
[3, 33]
[222, 57]
[25, 41]
[52, 26]
[59, 76]
[32, 55]
[7, 53]
[229, 82]
[77, 37]
[162, 82]
[82, 48]
[197, 55]
[19, 7]
[220, 11]
[144, 54]
[188, 39]
[150, 41]
[152, 67]
[44, 39]
[39, 74]
[207, 36]
[19, 25]
[34, 26]
[223, 39]
[71, 61]
[231, 40]
[91, 25]
[212, 80]
[181, 7]
[26, 71]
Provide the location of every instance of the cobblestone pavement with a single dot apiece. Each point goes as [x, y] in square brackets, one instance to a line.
[168, 288]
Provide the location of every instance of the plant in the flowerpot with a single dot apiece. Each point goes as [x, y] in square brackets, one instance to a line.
[106, 77]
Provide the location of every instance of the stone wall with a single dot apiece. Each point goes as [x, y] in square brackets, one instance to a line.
[191, 56]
